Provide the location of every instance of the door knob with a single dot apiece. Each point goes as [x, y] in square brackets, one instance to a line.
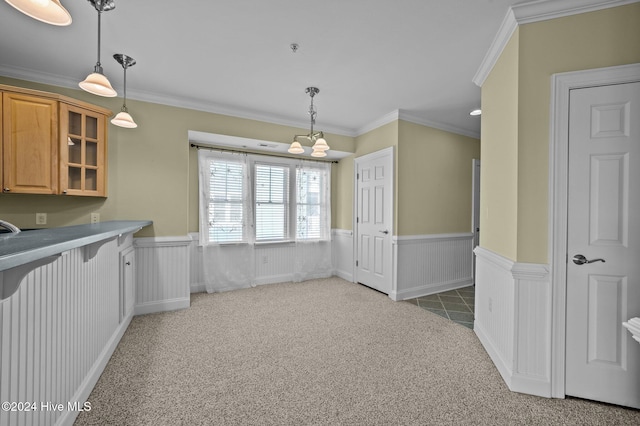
[384, 232]
[579, 259]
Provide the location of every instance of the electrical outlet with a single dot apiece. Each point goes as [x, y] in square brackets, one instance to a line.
[95, 217]
[265, 260]
[41, 218]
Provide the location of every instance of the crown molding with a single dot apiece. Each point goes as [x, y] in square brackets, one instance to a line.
[385, 119]
[412, 118]
[179, 102]
[536, 11]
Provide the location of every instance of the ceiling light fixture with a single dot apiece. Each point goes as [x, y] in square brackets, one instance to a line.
[476, 111]
[123, 118]
[316, 138]
[49, 11]
[96, 82]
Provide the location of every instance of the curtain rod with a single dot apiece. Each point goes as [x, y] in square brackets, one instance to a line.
[213, 148]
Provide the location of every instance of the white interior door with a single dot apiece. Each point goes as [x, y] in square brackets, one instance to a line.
[602, 360]
[374, 221]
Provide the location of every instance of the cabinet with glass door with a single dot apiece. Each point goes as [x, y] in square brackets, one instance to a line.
[83, 151]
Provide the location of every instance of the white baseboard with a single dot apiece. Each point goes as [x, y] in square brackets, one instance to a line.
[84, 390]
[427, 289]
[162, 306]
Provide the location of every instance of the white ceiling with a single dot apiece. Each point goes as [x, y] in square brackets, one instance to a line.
[369, 58]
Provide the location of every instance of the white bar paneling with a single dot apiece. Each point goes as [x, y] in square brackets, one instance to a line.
[428, 264]
[513, 320]
[274, 263]
[57, 332]
[162, 274]
[342, 251]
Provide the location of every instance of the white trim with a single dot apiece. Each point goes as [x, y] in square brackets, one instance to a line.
[162, 306]
[86, 387]
[342, 232]
[404, 239]
[162, 241]
[536, 11]
[412, 118]
[495, 258]
[385, 119]
[542, 10]
[561, 85]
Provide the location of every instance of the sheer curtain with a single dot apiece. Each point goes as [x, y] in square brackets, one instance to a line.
[313, 216]
[226, 211]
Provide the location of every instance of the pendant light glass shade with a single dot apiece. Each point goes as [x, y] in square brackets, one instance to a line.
[321, 145]
[296, 148]
[98, 84]
[316, 153]
[124, 119]
[48, 11]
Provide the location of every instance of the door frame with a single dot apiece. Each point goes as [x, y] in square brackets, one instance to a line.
[476, 167]
[561, 85]
[366, 157]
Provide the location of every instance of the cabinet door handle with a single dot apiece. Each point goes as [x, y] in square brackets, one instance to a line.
[6, 189]
[127, 263]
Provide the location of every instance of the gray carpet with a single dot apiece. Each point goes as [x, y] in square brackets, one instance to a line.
[322, 352]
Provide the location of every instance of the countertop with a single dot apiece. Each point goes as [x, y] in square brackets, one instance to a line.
[29, 246]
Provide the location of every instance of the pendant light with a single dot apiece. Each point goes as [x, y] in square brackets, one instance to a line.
[49, 11]
[317, 138]
[96, 82]
[123, 118]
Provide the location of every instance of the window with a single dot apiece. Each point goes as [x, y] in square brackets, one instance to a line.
[225, 202]
[247, 198]
[272, 202]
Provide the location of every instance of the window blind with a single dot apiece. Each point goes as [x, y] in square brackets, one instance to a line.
[271, 202]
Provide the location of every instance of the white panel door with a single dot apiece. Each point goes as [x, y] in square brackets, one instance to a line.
[374, 220]
[603, 288]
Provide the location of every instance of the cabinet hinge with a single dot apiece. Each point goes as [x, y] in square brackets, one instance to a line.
[357, 175]
[356, 263]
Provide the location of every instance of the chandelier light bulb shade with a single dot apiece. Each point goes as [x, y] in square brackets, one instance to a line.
[98, 84]
[321, 145]
[296, 148]
[48, 11]
[124, 119]
[318, 154]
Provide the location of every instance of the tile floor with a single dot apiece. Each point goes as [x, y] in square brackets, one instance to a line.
[456, 305]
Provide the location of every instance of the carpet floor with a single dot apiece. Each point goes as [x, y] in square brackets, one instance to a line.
[321, 352]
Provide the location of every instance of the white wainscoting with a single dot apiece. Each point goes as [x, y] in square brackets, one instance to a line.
[57, 332]
[162, 274]
[342, 251]
[428, 264]
[513, 320]
[274, 263]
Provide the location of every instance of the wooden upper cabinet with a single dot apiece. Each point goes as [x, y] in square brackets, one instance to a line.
[52, 144]
[30, 144]
[83, 151]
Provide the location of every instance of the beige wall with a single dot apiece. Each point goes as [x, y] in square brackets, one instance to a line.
[499, 150]
[604, 38]
[434, 179]
[152, 170]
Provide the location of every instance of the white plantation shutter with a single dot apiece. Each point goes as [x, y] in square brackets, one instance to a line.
[271, 202]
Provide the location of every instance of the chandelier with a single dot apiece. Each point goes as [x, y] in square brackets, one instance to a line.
[319, 145]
